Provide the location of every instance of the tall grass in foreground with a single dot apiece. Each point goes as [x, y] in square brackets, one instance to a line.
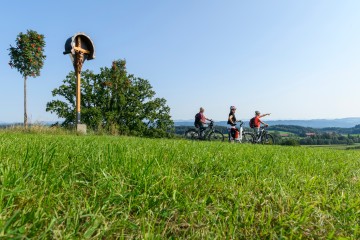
[37, 129]
[79, 187]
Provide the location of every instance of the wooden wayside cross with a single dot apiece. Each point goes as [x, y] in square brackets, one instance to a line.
[81, 48]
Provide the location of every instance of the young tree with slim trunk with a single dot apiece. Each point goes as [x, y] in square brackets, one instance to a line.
[28, 58]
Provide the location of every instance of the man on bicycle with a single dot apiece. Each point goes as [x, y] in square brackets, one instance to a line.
[200, 120]
[255, 123]
[232, 124]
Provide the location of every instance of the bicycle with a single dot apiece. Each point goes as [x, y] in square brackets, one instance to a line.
[209, 133]
[264, 137]
[245, 137]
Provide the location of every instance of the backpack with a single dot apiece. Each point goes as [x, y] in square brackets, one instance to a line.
[252, 122]
[197, 119]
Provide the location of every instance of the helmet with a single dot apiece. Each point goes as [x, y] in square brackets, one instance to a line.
[257, 112]
[232, 107]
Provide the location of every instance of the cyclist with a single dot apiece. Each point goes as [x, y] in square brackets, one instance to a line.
[200, 120]
[255, 123]
[233, 131]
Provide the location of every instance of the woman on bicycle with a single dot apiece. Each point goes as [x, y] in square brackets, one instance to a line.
[234, 132]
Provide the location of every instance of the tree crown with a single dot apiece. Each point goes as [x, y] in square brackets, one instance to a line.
[28, 54]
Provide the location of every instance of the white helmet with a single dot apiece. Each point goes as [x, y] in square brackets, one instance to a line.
[232, 107]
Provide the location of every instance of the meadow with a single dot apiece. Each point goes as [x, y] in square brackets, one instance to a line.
[64, 186]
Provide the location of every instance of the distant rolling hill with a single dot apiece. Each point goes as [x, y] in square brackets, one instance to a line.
[314, 123]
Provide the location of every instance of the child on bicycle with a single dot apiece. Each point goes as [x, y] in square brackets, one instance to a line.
[234, 132]
[255, 122]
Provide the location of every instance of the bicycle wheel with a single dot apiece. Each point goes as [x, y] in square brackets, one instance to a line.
[216, 136]
[268, 139]
[192, 134]
[247, 137]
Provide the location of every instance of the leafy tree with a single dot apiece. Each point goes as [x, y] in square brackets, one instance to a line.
[114, 100]
[290, 142]
[307, 141]
[28, 58]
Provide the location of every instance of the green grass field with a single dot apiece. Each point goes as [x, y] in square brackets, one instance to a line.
[102, 187]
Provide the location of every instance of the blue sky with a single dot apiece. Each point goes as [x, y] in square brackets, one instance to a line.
[295, 59]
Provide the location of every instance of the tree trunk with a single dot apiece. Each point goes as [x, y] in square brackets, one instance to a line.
[25, 103]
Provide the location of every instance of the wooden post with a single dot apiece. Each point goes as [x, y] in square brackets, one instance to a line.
[78, 96]
[78, 61]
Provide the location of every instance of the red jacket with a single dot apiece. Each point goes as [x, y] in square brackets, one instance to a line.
[257, 121]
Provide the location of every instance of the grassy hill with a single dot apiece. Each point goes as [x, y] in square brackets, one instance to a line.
[67, 186]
